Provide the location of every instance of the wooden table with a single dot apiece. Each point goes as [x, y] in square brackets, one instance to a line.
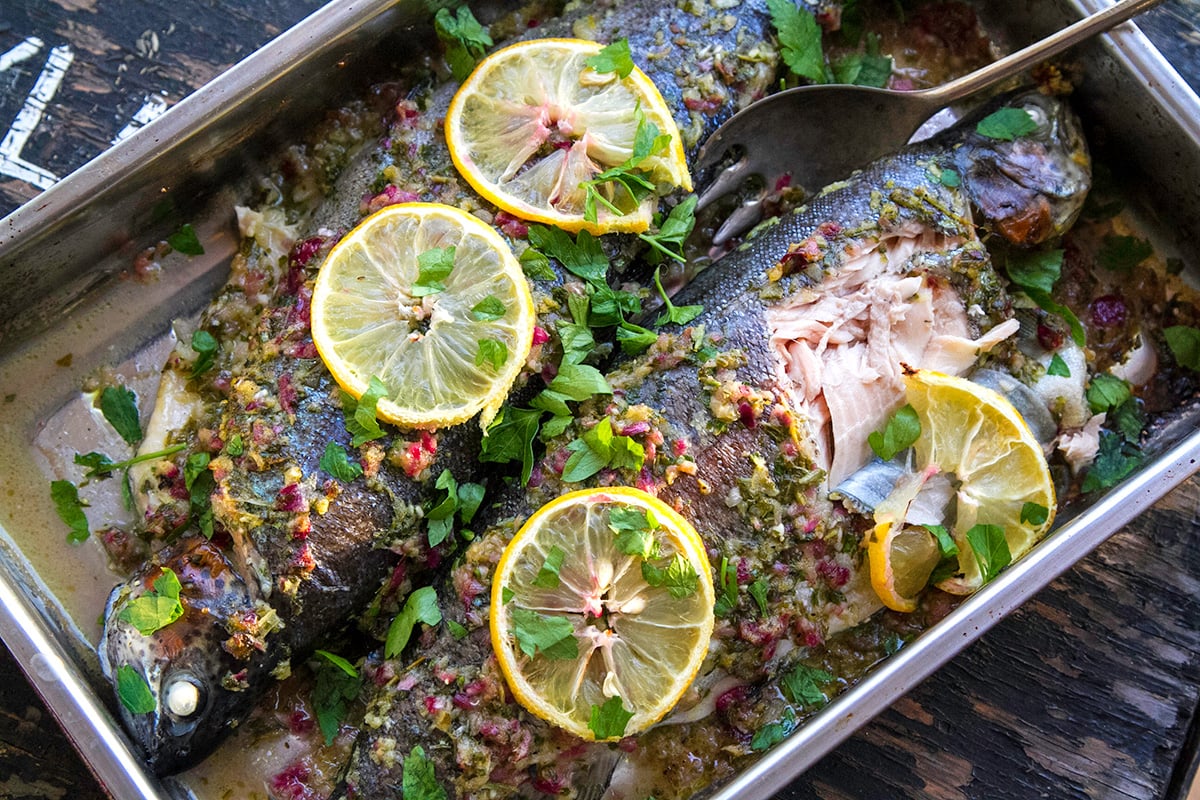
[1088, 691]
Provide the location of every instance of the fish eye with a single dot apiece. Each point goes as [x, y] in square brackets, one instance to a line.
[1037, 114]
[184, 697]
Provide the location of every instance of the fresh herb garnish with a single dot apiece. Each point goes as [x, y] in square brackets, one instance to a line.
[773, 733]
[491, 351]
[609, 720]
[186, 241]
[583, 256]
[199, 482]
[615, 57]
[547, 577]
[579, 382]
[1006, 124]
[634, 529]
[1128, 420]
[119, 407]
[1035, 273]
[599, 448]
[647, 141]
[465, 39]
[205, 345]
[673, 231]
[680, 315]
[1106, 392]
[338, 464]
[634, 339]
[1115, 460]
[1058, 367]
[421, 606]
[991, 549]
[133, 691]
[234, 447]
[1184, 343]
[419, 780]
[441, 516]
[70, 510]
[799, 40]
[100, 465]
[867, 68]
[577, 342]
[337, 685]
[457, 630]
[359, 414]
[802, 685]
[945, 542]
[489, 309]
[1123, 253]
[536, 265]
[727, 589]
[553, 637]
[433, 267]
[758, 590]
[157, 608]
[1034, 514]
[899, 434]
[510, 438]
[679, 577]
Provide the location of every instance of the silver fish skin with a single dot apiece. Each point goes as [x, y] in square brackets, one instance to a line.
[727, 447]
[294, 559]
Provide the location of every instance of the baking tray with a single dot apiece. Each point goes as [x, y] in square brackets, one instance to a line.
[62, 256]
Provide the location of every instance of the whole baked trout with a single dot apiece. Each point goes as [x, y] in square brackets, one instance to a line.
[736, 438]
[286, 554]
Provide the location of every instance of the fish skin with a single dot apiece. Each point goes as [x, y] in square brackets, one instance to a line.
[313, 572]
[450, 698]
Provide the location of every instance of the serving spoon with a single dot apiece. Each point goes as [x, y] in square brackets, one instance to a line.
[814, 135]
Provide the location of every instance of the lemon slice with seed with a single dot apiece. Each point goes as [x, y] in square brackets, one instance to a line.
[445, 347]
[975, 436]
[533, 123]
[601, 611]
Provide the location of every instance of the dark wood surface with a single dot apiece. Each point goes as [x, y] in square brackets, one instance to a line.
[1088, 691]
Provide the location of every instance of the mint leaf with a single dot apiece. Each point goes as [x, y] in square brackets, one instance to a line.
[205, 345]
[157, 608]
[421, 606]
[547, 577]
[186, 241]
[510, 438]
[1115, 461]
[133, 691]
[1184, 344]
[70, 509]
[1058, 367]
[433, 267]
[119, 407]
[1107, 392]
[991, 549]
[493, 352]
[1006, 124]
[536, 265]
[553, 637]
[1123, 253]
[680, 315]
[359, 414]
[609, 720]
[799, 39]
[773, 733]
[899, 434]
[1034, 514]
[802, 685]
[613, 58]
[679, 577]
[583, 257]
[338, 464]
[489, 309]
[465, 40]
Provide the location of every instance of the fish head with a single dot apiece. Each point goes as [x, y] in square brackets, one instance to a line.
[1031, 187]
[194, 666]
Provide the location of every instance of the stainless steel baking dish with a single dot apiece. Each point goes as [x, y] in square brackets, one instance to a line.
[61, 257]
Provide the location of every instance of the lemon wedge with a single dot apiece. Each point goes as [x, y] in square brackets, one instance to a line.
[533, 124]
[432, 302]
[602, 611]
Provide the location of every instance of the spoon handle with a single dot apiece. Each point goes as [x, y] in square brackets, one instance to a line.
[1052, 45]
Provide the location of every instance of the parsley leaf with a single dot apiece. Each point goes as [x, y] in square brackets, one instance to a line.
[579, 382]
[433, 267]
[547, 577]
[1184, 343]
[510, 438]
[634, 339]
[613, 58]
[119, 407]
[991, 549]
[100, 465]
[339, 662]
[634, 531]
[536, 265]
[157, 608]
[491, 351]
[609, 720]
[599, 448]
[679, 577]
[70, 509]
[199, 482]
[1058, 367]
[1035, 273]
[647, 141]
[133, 691]
[1107, 392]
[608, 306]
[773, 733]
[1115, 461]
[441, 516]
[680, 315]
[419, 781]
[338, 464]
[421, 606]
[186, 241]
[577, 341]
[674, 230]
[864, 69]
[553, 637]
[359, 414]
[583, 257]
[457, 630]
[205, 345]
[1123, 253]
[1034, 514]
[799, 39]
[233, 447]
[470, 495]
[489, 309]
[337, 685]
[801, 685]
[899, 434]
[465, 39]
[945, 542]
[1006, 124]
[1128, 420]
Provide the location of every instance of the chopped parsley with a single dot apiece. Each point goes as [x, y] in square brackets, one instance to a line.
[1035, 273]
[547, 577]
[773, 733]
[609, 720]
[1123, 253]
[491, 351]
[200, 484]
[1184, 343]
[359, 414]
[419, 781]
[70, 510]
[1058, 367]
[119, 407]
[802, 685]
[233, 447]
[466, 41]
[457, 630]
[461, 499]
[599, 448]
[1006, 124]
[579, 382]
[205, 346]
[489, 309]
[634, 529]
[1107, 392]
[553, 637]
[186, 241]
[615, 57]
[898, 435]
[338, 464]
[156, 609]
[1115, 460]
[421, 606]
[647, 141]
[433, 267]
[990, 548]
[680, 315]
[337, 685]
[679, 577]
[133, 691]
[634, 339]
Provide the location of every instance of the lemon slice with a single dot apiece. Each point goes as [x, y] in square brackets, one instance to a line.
[602, 610]
[445, 348]
[533, 123]
[975, 436]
